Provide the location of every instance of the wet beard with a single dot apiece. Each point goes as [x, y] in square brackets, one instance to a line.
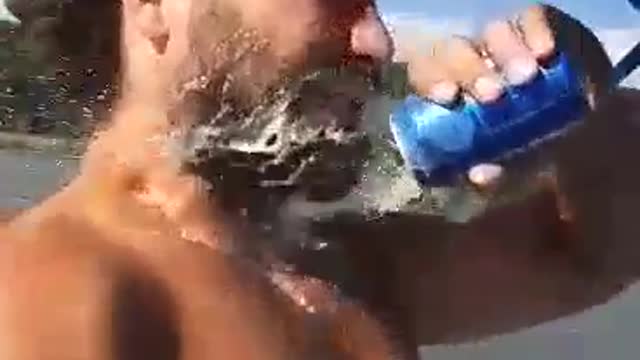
[302, 138]
[292, 159]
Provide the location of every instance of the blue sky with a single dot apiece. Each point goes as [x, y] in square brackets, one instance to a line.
[598, 13]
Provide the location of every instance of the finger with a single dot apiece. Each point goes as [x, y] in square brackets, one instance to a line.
[485, 175]
[466, 66]
[430, 79]
[509, 52]
[536, 32]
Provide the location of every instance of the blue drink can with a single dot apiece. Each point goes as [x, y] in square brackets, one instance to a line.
[440, 144]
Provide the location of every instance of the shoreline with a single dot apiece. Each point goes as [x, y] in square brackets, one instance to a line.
[66, 146]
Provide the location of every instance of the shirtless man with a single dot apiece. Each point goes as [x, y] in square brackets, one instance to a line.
[133, 259]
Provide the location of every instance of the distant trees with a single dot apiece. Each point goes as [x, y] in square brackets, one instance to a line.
[57, 66]
[395, 80]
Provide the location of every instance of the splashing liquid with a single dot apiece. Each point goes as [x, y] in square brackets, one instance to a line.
[422, 168]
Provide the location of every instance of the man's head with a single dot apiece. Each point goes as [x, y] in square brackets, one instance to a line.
[257, 42]
[271, 91]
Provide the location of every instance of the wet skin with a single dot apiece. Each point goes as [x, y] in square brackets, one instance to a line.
[133, 219]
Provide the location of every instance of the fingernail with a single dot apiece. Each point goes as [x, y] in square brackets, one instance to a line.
[542, 45]
[444, 92]
[485, 174]
[487, 88]
[520, 71]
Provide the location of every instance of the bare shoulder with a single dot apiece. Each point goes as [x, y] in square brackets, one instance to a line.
[70, 289]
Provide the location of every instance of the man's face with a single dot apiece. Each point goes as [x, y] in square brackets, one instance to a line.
[255, 49]
[262, 41]
[273, 90]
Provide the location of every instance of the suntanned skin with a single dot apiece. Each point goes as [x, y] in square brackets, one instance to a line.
[134, 258]
[133, 252]
[115, 262]
[121, 295]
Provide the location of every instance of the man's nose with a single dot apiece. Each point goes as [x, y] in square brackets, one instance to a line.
[370, 37]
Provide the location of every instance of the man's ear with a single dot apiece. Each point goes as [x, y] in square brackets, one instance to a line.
[148, 20]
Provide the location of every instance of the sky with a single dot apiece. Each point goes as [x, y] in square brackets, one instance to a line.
[609, 13]
[615, 22]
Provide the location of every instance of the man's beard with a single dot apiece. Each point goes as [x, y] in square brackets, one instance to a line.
[257, 124]
[281, 143]
[303, 137]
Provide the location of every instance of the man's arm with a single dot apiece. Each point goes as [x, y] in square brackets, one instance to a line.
[517, 266]
[521, 264]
